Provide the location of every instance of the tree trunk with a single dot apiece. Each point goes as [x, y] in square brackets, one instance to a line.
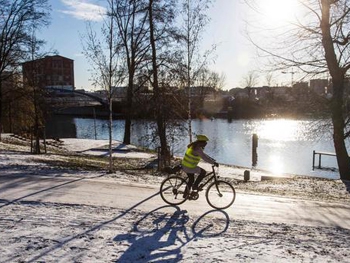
[36, 131]
[338, 130]
[338, 75]
[165, 154]
[110, 123]
[127, 130]
[129, 110]
[0, 107]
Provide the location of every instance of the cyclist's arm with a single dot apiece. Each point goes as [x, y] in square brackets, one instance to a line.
[204, 156]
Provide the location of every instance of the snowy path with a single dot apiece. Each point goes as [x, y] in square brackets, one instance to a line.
[56, 214]
[91, 219]
[109, 193]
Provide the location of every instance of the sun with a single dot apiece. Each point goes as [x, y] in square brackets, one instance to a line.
[278, 12]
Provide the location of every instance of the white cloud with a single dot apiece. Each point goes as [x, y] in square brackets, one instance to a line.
[83, 10]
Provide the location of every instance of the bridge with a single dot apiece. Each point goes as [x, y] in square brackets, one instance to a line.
[94, 97]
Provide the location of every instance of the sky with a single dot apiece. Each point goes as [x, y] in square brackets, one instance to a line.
[234, 56]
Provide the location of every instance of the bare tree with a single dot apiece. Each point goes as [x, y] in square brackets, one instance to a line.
[317, 43]
[16, 105]
[211, 79]
[131, 21]
[269, 79]
[250, 80]
[194, 20]
[106, 61]
[161, 17]
[33, 83]
[17, 19]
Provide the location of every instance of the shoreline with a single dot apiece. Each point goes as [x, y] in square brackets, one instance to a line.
[99, 147]
[133, 166]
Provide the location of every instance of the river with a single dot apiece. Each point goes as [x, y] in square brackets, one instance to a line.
[284, 145]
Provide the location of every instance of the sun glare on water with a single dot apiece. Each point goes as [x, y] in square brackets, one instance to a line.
[279, 130]
[276, 132]
[276, 165]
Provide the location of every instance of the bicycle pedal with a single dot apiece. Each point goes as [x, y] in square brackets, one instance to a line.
[193, 196]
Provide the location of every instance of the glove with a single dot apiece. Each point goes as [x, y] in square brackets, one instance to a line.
[216, 164]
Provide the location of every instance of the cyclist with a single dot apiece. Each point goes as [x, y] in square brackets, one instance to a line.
[194, 153]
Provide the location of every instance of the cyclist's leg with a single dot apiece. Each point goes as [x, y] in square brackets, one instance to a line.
[189, 183]
[200, 177]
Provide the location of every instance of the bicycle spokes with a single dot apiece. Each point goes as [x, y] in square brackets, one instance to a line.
[220, 194]
[173, 190]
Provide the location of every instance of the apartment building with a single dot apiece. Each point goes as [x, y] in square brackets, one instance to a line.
[55, 72]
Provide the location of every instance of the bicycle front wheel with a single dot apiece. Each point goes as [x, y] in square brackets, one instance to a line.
[172, 190]
[220, 194]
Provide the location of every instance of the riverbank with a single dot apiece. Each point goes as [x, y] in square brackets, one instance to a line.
[136, 165]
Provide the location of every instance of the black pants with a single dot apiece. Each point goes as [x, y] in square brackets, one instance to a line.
[200, 177]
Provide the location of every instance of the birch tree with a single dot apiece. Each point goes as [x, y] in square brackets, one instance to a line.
[36, 92]
[194, 19]
[108, 71]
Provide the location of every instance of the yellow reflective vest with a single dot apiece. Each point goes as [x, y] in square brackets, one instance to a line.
[190, 160]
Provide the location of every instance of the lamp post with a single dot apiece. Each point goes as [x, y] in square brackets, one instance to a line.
[292, 74]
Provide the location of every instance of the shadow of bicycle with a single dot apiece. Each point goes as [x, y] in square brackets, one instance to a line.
[160, 235]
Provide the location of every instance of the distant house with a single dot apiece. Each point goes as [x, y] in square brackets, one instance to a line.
[239, 93]
[200, 91]
[120, 92]
[320, 86]
[302, 85]
[55, 72]
[282, 93]
[258, 93]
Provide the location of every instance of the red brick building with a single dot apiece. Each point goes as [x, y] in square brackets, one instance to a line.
[50, 72]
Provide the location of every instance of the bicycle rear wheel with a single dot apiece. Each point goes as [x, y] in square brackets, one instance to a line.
[220, 194]
[172, 190]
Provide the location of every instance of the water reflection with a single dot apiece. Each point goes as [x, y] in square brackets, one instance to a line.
[278, 130]
[276, 164]
[284, 146]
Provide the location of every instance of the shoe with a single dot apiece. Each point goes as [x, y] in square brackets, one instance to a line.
[193, 196]
[195, 188]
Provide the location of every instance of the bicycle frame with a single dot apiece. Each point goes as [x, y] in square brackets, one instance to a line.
[215, 189]
[206, 179]
[210, 176]
[214, 176]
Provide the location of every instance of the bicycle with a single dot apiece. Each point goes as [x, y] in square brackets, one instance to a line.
[219, 193]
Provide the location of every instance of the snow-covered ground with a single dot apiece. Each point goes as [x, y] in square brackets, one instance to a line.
[40, 231]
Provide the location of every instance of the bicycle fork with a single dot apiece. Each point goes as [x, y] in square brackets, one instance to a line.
[217, 188]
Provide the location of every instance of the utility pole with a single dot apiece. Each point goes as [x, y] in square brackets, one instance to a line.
[292, 74]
